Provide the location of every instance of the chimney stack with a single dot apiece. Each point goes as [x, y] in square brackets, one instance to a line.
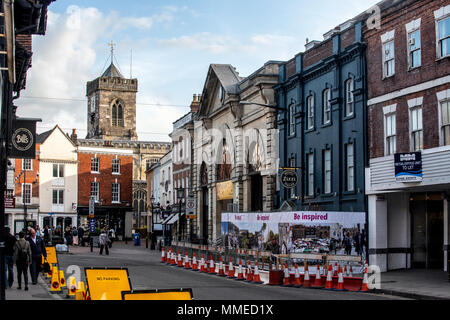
[195, 103]
[74, 135]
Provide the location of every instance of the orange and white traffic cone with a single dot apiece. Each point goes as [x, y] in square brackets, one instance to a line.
[163, 255]
[203, 264]
[329, 283]
[231, 270]
[335, 269]
[173, 261]
[318, 281]
[256, 277]
[365, 283]
[212, 266]
[186, 262]
[221, 272]
[306, 280]
[240, 271]
[340, 285]
[297, 280]
[249, 272]
[179, 260]
[351, 272]
[194, 263]
[287, 277]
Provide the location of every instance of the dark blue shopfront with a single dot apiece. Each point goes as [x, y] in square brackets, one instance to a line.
[322, 130]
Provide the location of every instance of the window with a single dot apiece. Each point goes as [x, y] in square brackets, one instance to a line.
[444, 37]
[445, 125]
[350, 168]
[390, 134]
[388, 59]
[327, 171]
[414, 49]
[116, 166]
[27, 165]
[116, 192]
[291, 119]
[310, 111]
[416, 128]
[95, 191]
[58, 197]
[95, 165]
[58, 170]
[311, 174]
[349, 97]
[326, 106]
[26, 193]
[117, 114]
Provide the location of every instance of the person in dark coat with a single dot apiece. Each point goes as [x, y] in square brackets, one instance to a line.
[358, 243]
[37, 251]
[10, 240]
[22, 259]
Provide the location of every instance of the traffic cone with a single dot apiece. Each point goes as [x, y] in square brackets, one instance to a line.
[179, 260]
[72, 289]
[335, 269]
[212, 266]
[194, 263]
[306, 280]
[186, 262]
[318, 281]
[49, 273]
[351, 272]
[287, 277]
[240, 271]
[55, 287]
[163, 255]
[249, 277]
[62, 280]
[329, 283]
[202, 265]
[340, 285]
[80, 293]
[231, 270]
[345, 270]
[221, 268]
[256, 277]
[173, 260]
[365, 283]
[297, 279]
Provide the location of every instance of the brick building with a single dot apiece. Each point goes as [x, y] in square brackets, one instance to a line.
[407, 180]
[107, 175]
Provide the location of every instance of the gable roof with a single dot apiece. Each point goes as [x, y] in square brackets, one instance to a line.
[41, 138]
[228, 77]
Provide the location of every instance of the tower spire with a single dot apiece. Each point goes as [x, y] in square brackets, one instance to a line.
[112, 45]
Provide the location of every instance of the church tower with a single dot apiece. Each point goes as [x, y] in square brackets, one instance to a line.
[111, 106]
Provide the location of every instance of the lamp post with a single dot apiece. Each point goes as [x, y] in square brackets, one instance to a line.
[180, 195]
[152, 220]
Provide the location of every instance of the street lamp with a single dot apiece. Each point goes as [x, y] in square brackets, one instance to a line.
[152, 228]
[180, 195]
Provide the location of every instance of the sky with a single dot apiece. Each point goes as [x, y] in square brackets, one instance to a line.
[168, 46]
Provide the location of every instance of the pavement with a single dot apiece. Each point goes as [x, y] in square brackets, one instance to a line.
[39, 291]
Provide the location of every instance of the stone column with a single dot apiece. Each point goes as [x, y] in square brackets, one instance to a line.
[378, 236]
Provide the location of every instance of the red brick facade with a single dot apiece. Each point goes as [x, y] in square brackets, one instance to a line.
[415, 83]
[105, 178]
[31, 177]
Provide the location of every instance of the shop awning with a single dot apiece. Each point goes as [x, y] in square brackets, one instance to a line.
[169, 218]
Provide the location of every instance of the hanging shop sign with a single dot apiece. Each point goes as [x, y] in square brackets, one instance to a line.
[23, 139]
[225, 190]
[289, 179]
[408, 167]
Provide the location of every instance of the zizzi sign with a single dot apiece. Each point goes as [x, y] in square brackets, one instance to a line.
[408, 167]
[23, 139]
[289, 179]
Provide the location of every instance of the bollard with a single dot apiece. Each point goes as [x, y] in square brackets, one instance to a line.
[92, 244]
[146, 242]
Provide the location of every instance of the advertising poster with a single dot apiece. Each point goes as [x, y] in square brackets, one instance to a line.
[295, 232]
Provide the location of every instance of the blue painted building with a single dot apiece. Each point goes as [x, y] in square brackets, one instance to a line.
[322, 127]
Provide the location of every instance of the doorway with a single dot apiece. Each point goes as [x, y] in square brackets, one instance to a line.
[205, 212]
[427, 224]
[256, 183]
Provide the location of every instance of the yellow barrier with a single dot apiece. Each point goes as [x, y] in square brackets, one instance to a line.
[55, 286]
[163, 294]
[107, 283]
[72, 289]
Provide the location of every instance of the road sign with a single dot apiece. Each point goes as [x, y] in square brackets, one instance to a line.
[91, 207]
[92, 225]
[289, 179]
[107, 283]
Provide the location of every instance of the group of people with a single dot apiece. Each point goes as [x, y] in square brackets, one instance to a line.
[72, 235]
[358, 241]
[26, 254]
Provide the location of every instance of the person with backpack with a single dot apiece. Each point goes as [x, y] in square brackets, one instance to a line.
[22, 259]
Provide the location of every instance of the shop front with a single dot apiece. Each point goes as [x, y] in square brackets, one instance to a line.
[109, 217]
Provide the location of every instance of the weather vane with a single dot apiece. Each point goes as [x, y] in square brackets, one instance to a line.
[112, 45]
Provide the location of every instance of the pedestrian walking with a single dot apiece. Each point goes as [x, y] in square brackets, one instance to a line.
[37, 251]
[75, 236]
[80, 236]
[348, 244]
[22, 259]
[46, 235]
[111, 236]
[38, 231]
[10, 241]
[103, 241]
[358, 243]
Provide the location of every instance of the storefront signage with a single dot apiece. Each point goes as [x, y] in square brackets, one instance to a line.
[408, 167]
[289, 179]
[10, 203]
[23, 139]
[225, 190]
